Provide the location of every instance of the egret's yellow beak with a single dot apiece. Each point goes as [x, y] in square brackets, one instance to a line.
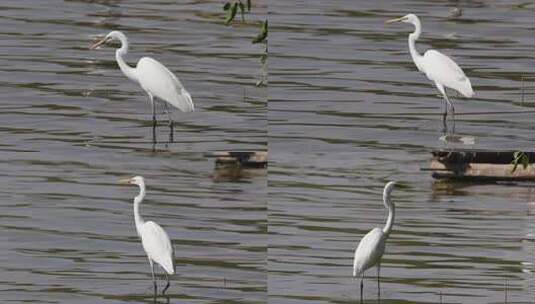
[395, 20]
[124, 181]
[98, 43]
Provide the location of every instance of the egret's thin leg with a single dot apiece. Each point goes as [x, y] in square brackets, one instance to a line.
[171, 124]
[153, 118]
[166, 285]
[452, 112]
[153, 105]
[444, 116]
[153, 278]
[361, 287]
[378, 282]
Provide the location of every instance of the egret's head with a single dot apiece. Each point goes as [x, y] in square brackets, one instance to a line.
[136, 180]
[409, 18]
[112, 36]
[388, 189]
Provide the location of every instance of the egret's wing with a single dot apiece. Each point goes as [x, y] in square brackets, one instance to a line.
[441, 69]
[155, 78]
[158, 246]
[369, 251]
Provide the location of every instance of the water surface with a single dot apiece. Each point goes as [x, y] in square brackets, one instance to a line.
[349, 111]
[72, 125]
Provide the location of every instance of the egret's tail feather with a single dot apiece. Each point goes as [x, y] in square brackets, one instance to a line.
[169, 268]
[185, 103]
[467, 90]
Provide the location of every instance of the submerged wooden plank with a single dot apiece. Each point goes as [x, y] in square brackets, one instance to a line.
[476, 156]
[243, 159]
[480, 165]
[481, 171]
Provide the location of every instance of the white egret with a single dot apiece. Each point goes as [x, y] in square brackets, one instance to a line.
[372, 246]
[154, 78]
[154, 239]
[439, 68]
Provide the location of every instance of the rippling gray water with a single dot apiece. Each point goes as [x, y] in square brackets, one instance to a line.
[349, 111]
[73, 124]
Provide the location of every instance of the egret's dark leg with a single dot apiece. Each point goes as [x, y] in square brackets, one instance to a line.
[444, 116]
[452, 112]
[153, 118]
[166, 285]
[378, 282]
[361, 287]
[171, 124]
[153, 110]
[153, 278]
[453, 118]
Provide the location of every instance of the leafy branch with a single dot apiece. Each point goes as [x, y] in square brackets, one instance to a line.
[232, 9]
[519, 157]
[262, 38]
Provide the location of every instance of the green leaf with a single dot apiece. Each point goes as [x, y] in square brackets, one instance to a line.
[525, 161]
[514, 167]
[231, 13]
[520, 157]
[263, 58]
[263, 33]
[226, 6]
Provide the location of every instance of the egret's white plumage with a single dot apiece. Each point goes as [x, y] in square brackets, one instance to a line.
[156, 79]
[445, 72]
[372, 246]
[439, 68]
[369, 251]
[153, 77]
[157, 245]
[155, 241]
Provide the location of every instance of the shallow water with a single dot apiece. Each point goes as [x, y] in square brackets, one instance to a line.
[349, 111]
[53, 85]
[72, 125]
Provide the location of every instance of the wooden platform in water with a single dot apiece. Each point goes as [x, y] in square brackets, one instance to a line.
[241, 159]
[480, 165]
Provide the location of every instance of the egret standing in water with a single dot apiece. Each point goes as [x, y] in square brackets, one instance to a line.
[154, 78]
[154, 239]
[439, 68]
[372, 246]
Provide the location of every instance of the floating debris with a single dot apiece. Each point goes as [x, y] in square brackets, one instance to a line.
[235, 166]
[241, 159]
[456, 12]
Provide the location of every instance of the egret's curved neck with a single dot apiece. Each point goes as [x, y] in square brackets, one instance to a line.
[127, 70]
[391, 213]
[416, 57]
[137, 201]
